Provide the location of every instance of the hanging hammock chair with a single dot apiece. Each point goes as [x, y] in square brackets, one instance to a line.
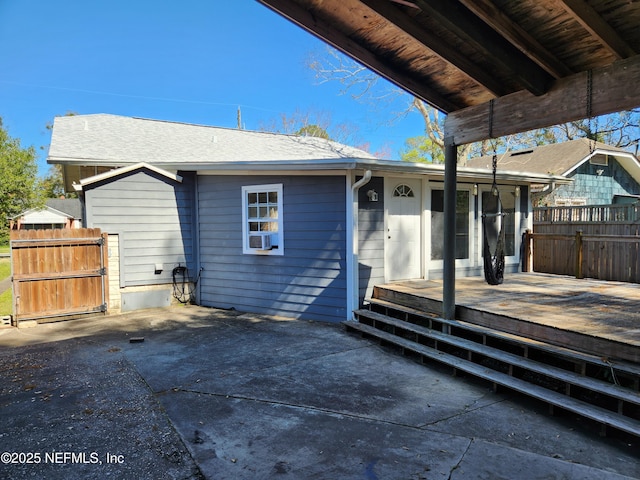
[494, 261]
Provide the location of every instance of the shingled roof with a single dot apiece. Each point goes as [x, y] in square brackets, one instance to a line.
[103, 139]
[558, 158]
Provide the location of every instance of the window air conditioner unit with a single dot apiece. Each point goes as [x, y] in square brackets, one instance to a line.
[260, 241]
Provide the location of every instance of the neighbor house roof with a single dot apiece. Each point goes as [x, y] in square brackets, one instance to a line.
[103, 139]
[69, 206]
[559, 158]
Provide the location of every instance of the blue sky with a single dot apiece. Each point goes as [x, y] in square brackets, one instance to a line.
[193, 61]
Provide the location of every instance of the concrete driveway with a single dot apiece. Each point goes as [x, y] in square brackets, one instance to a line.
[220, 395]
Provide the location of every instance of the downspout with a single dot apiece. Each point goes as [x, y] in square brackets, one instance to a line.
[354, 294]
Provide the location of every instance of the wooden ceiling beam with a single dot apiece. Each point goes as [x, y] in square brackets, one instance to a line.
[598, 28]
[434, 43]
[614, 88]
[327, 30]
[517, 36]
[464, 24]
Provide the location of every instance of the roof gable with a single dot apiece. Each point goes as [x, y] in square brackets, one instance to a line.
[559, 158]
[42, 216]
[69, 206]
[123, 171]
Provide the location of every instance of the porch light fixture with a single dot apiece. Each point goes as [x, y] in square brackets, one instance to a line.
[475, 190]
[373, 195]
[517, 191]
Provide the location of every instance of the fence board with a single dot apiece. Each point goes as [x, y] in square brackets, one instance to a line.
[58, 273]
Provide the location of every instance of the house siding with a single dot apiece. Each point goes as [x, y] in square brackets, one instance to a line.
[597, 189]
[308, 281]
[370, 238]
[153, 216]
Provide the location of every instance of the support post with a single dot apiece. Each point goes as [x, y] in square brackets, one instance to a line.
[527, 240]
[449, 253]
[579, 254]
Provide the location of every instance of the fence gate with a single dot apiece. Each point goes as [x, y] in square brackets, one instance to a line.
[58, 273]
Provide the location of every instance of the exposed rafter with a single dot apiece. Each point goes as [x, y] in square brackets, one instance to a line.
[434, 43]
[517, 36]
[313, 21]
[529, 56]
[598, 28]
[464, 24]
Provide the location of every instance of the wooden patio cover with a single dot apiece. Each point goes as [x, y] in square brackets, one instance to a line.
[495, 67]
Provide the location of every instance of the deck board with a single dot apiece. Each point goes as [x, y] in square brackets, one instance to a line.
[609, 310]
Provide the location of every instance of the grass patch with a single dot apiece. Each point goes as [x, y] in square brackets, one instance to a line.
[4, 249]
[6, 303]
[5, 268]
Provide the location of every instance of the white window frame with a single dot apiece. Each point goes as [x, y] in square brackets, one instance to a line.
[277, 238]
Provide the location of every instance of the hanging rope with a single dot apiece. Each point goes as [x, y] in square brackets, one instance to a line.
[494, 262]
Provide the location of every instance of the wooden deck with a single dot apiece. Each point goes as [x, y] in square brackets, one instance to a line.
[598, 317]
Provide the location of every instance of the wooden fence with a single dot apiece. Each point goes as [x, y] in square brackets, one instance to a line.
[601, 242]
[617, 213]
[58, 273]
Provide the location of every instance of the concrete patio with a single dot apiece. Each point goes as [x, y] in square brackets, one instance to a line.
[189, 392]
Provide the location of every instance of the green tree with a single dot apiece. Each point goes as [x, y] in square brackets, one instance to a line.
[52, 185]
[313, 131]
[315, 123]
[19, 186]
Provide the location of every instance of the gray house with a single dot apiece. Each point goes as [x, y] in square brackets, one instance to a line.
[295, 226]
[601, 174]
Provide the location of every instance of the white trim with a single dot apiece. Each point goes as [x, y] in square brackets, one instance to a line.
[121, 171]
[276, 238]
[628, 159]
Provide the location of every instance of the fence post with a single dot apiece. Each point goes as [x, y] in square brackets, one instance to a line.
[527, 238]
[579, 254]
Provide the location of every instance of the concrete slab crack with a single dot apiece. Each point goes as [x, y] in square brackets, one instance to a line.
[457, 465]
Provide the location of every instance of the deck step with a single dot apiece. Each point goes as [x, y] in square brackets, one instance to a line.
[421, 334]
[607, 404]
[585, 364]
[606, 347]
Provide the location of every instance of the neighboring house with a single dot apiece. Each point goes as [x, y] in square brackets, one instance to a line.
[57, 213]
[277, 224]
[601, 174]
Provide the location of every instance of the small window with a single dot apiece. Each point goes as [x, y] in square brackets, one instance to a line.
[599, 159]
[262, 220]
[403, 191]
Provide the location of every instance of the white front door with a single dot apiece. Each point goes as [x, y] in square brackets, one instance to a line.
[403, 242]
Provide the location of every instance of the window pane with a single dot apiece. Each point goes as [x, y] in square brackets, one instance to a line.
[273, 212]
[262, 197]
[491, 205]
[273, 197]
[437, 223]
[462, 224]
[263, 212]
[253, 198]
[254, 227]
[253, 212]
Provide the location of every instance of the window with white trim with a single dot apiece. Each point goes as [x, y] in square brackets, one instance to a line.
[262, 232]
